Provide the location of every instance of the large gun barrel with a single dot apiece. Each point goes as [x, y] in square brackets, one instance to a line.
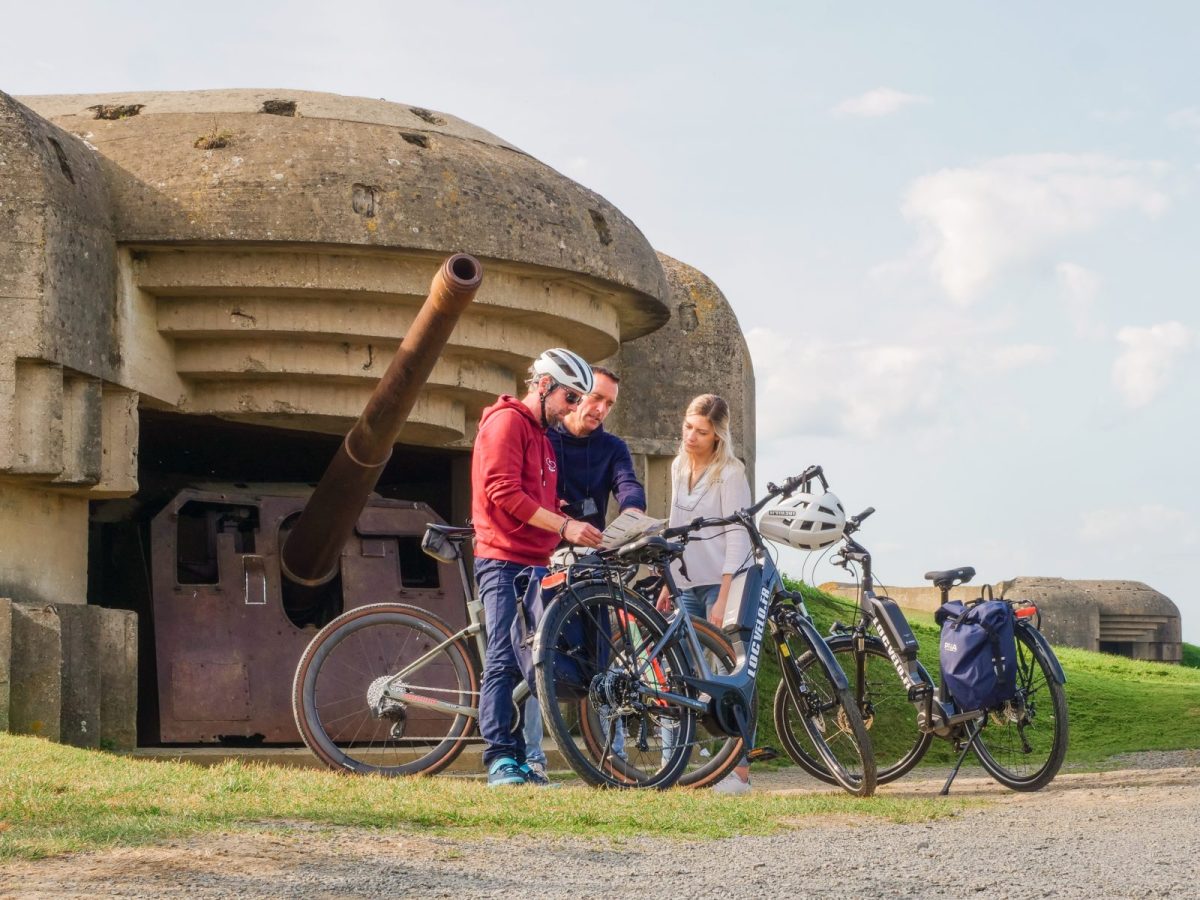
[311, 552]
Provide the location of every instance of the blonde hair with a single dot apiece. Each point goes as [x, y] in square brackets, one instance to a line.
[716, 410]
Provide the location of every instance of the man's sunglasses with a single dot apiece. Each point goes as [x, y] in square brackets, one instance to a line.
[571, 397]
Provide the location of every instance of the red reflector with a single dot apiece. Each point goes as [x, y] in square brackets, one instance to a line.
[554, 580]
[1026, 611]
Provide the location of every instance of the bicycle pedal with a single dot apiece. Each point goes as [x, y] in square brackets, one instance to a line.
[762, 754]
[919, 692]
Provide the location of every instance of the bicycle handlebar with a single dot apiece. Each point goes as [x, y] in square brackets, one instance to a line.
[744, 517]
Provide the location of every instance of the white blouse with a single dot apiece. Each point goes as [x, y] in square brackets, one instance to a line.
[723, 550]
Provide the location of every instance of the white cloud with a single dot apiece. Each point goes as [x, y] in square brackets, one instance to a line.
[977, 221]
[1147, 360]
[1020, 356]
[865, 390]
[1142, 526]
[876, 103]
[1080, 287]
[1186, 119]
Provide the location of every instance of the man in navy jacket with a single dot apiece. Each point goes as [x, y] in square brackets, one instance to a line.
[592, 465]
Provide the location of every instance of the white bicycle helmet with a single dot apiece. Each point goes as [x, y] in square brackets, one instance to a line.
[567, 368]
[805, 521]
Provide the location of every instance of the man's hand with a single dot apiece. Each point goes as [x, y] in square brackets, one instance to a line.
[664, 604]
[578, 532]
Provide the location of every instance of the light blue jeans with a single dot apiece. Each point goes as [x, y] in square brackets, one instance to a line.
[696, 601]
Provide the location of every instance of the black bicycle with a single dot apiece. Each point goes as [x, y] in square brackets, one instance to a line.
[1021, 743]
[647, 682]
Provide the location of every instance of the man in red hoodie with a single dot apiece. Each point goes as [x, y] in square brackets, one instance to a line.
[514, 507]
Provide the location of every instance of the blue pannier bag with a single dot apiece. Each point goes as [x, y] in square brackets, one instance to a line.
[582, 649]
[978, 653]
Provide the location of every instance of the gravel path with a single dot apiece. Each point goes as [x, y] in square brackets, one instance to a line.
[1125, 833]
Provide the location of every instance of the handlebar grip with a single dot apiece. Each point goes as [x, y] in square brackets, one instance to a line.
[864, 514]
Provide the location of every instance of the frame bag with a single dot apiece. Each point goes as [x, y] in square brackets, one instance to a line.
[978, 653]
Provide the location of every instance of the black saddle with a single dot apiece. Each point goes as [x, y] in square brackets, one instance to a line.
[951, 577]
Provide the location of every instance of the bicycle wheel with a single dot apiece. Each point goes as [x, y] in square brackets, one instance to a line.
[714, 753]
[1022, 745]
[819, 723]
[897, 742]
[596, 644]
[385, 689]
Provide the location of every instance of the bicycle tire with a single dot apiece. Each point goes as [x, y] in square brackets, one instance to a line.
[1023, 744]
[811, 698]
[353, 652]
[897, 742]
[714, 753]
[612, 662]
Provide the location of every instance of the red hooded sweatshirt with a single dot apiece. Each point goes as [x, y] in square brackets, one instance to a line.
[513, 472]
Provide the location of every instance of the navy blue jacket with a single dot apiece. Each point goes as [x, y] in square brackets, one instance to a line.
[596, 466]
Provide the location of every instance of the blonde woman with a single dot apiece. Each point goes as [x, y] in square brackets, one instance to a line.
[707, 479]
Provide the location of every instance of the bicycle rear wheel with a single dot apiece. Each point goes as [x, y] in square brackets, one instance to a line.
[1023, 744]
[714, 753]
[596, 644]
[897, 742]
[367, 688]
[818, 722]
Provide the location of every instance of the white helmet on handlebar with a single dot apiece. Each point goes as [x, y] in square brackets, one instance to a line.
[805, 521]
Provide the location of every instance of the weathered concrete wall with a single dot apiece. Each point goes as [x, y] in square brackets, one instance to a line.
[118, 663]
[35, 705]
[57, 287]
[43, 544]
[701, 350]
[5, 660]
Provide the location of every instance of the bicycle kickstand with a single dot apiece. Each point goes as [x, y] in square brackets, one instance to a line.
[972, 732]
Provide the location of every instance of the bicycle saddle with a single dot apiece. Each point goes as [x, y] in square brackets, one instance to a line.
[951, 577]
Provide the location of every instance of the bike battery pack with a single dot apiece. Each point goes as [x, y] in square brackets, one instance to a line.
[891, 620]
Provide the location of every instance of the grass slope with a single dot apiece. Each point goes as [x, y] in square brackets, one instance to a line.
[1116, 705]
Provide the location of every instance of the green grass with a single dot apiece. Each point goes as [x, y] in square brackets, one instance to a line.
[1116, 705]
[56, 799]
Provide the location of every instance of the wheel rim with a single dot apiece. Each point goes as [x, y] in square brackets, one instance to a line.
[408, 736]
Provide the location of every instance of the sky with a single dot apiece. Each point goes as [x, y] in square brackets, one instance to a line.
[959, 236]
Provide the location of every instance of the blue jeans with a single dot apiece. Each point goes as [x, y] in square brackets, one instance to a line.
[501, 674]
[533, 732]
[699, 599]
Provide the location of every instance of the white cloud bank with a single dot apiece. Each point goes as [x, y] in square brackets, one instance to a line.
[865, 390]
[1147, 360]
[976, 221]
[879, 102]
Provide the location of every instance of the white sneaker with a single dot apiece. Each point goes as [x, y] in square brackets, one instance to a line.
[731, 784]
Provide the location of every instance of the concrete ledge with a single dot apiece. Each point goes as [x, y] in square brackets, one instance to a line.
[118, 678]
[79, 687]
[35, 705]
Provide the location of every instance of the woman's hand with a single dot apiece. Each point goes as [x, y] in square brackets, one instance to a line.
[716, 615]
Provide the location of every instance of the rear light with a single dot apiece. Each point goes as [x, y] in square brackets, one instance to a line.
[1026, 612]
[554, 580]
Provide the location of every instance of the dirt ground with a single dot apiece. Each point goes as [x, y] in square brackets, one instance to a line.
[1124, 833]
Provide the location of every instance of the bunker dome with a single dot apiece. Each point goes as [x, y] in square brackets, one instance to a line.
[204, 289]
[701, 349]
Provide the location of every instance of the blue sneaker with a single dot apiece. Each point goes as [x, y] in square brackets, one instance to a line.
[505, 770]
[535, 774]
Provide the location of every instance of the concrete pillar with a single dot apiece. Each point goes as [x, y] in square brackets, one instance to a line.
[35, 690]
[5, 659]
[79, 628]
[118, 678]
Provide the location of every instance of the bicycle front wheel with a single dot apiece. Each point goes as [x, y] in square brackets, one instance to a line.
[897, 741]
[1023, 743]
[386, 690]
[600, 645]
[818, 722]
